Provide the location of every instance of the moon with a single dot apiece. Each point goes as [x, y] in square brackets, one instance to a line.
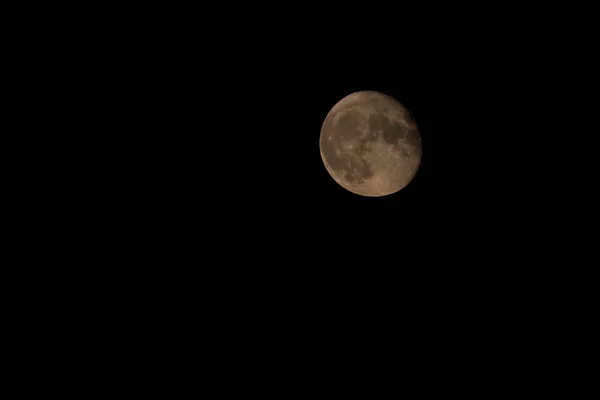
[370, 145]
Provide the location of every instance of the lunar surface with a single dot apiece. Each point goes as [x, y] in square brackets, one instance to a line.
[370, 145]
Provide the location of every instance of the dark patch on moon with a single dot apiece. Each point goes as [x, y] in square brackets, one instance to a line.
[379, 122]
[394, 133]
[347, 124]
[358, 170]
[348, 164]
[372, 136]
[364, 145]
[413, 138]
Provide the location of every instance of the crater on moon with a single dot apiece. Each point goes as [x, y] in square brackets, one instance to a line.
[370, 145]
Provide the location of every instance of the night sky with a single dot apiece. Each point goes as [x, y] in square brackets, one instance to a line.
[229, 158]
[199, 193]
[216, 140]
[227, 145]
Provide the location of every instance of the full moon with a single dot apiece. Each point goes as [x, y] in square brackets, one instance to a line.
[370, 145]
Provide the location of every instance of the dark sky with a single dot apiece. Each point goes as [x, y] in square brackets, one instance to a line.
[234, 137]
[229, 154]
[221, 145]
[208, 198]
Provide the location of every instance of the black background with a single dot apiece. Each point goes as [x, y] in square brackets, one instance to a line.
[203, 144]
[215, 137]
[198, 202]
